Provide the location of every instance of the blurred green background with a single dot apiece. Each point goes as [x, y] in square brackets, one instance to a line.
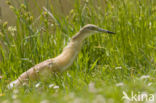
[106, 67]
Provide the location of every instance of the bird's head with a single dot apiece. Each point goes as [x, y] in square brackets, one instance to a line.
[88, 30]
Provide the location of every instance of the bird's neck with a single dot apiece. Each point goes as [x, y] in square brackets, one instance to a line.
[80, 36]
[70, 52]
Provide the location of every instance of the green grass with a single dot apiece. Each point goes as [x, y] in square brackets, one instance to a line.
[104, 61]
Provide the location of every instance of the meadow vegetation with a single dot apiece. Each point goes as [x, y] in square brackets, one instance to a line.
[107, 65]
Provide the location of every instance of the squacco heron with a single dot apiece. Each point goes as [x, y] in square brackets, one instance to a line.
[62, 61]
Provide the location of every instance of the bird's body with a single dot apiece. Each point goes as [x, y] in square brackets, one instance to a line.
[61, 62]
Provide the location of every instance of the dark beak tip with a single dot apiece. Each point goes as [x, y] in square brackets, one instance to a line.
[111, 32]
[105, 31]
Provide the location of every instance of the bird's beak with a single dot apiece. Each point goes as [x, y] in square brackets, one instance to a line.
[105, 31]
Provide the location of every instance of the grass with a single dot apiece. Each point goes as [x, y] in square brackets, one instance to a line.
[107, 65]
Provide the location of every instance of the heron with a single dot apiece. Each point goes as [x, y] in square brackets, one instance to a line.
[62, 61]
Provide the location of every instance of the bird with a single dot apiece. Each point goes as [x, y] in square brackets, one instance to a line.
[62, 61]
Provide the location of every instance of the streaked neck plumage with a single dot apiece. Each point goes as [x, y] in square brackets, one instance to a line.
[70, 52]
[81, 35]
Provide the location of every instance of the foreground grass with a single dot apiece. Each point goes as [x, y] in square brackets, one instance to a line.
[107, 66]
